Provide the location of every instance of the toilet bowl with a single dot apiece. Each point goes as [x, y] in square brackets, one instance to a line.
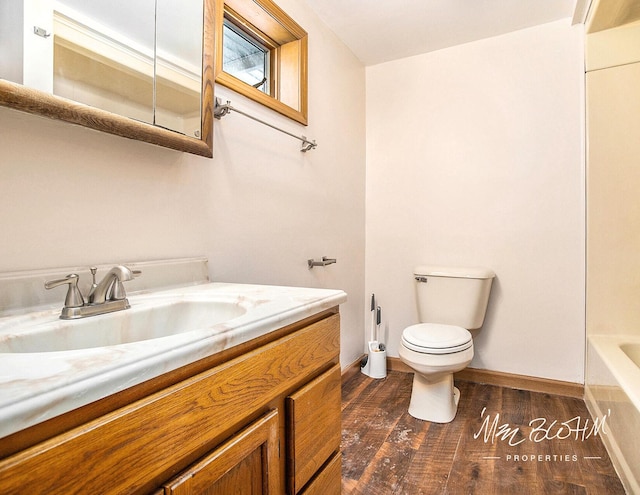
[435, 352]
[451, 301]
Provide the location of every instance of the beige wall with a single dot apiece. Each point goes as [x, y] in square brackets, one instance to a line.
[613, 239]
[258, 210]
[613, 182]
[475, 157]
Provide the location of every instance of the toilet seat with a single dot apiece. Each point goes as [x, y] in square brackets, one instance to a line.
[436, 338]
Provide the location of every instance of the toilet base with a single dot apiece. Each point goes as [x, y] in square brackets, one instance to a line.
[435, 401]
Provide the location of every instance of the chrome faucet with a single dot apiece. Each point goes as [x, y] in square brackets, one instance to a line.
[104, 297]
[110, 287]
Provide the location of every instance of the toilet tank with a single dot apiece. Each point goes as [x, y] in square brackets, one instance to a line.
[453, 296]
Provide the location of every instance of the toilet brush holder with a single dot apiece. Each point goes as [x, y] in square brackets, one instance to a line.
[376, 364]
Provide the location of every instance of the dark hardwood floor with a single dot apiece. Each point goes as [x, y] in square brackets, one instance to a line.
[504, 450]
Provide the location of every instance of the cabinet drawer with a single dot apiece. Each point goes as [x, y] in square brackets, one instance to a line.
[328, 481]
[246, 463]
[313, 422]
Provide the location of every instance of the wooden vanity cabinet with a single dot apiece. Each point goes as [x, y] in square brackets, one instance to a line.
[265, 422]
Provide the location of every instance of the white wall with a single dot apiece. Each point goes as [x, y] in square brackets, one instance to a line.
[258, 210]
[474, 157]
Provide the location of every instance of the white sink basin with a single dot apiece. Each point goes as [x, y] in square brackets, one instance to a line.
[145, 320]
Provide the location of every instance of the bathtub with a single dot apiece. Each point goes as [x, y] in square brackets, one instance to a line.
[613, 389]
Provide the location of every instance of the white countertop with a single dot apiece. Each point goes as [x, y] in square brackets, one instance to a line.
[35, 387]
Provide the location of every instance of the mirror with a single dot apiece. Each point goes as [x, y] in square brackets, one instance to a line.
[140, 69]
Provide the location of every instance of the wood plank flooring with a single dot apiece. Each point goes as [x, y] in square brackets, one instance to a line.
[385, 451]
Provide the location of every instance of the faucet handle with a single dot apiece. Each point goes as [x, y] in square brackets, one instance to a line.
[74, 297]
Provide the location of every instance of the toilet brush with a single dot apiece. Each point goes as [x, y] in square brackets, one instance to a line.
[376, 342]
[375, 314]
[375, 363]
[364, 364]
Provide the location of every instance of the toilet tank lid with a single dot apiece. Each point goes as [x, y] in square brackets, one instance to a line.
[454, 272]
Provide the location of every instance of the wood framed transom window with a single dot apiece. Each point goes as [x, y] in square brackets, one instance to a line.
[261, 53]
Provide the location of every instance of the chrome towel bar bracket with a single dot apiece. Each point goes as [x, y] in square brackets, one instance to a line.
[324, 262]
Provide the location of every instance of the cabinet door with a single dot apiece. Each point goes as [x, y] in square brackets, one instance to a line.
[314, 428]
[246, 464]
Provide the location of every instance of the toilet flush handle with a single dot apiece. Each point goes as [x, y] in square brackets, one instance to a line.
[420, 278]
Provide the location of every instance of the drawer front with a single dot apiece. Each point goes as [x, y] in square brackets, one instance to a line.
[328, 481]
[136, 448]
[314, 427]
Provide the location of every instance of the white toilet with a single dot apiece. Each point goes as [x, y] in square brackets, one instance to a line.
[451, 301]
